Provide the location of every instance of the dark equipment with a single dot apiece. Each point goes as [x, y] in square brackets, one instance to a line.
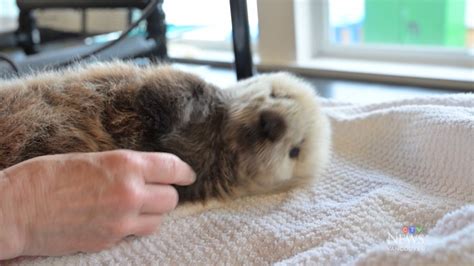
[153, 46]
[241, 39]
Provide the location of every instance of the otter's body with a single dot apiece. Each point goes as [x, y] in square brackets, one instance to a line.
[226, 136]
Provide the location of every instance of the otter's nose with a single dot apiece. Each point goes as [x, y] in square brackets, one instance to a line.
[272, 125]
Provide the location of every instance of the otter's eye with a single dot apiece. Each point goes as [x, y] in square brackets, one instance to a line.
[294, 152]
[279, 96]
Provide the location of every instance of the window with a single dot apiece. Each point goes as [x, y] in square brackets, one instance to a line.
[435, 23]
[196, 27]
[422, 31]
[8, 14]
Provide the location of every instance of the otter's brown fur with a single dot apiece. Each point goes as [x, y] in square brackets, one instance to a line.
[157, 108]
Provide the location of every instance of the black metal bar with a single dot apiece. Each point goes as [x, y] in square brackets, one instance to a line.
[27, 35]
[241, 39]
[156, 30]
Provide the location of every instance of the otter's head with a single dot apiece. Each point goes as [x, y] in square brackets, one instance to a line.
[264, 134]
[276, 128]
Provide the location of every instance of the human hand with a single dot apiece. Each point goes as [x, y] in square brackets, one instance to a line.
[59, 204]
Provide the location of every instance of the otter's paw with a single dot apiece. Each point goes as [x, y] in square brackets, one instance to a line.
[278, 131]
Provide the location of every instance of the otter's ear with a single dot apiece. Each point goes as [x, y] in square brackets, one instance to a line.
[272, 126]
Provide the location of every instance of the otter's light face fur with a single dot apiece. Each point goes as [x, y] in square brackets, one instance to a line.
[276, 123]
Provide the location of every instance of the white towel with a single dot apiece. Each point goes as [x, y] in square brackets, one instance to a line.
[407, 163]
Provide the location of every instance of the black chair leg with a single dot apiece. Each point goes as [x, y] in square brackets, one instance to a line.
[27, 35]
[241, 39]
[156, 29]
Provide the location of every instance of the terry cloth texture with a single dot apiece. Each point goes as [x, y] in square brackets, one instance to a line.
[407, 163]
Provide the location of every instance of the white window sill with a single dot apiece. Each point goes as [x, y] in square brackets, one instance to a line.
[445, 77]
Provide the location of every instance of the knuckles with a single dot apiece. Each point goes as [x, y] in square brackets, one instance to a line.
[129, 194]
[126, 185]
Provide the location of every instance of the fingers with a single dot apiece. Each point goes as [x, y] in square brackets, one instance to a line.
[166, 168]
[154, 167]
[159, 199]
[146, 225]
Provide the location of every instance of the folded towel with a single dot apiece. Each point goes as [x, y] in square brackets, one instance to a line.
[398, 191]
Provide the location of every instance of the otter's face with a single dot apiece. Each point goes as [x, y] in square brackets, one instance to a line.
[276, 127]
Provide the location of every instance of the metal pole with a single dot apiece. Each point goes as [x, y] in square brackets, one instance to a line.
[241, 39]
[156, 29]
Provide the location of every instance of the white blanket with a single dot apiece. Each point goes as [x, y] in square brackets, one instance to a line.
[408, 163]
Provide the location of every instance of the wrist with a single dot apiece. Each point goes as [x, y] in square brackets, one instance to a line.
[11, 234]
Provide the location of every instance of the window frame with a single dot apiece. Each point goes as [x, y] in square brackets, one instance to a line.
[385, 52]
[302, 49]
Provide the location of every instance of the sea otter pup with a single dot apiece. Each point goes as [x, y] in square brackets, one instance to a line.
[262, 135]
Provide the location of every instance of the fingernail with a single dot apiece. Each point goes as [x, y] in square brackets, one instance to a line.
[188, 174]
[192, 177]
